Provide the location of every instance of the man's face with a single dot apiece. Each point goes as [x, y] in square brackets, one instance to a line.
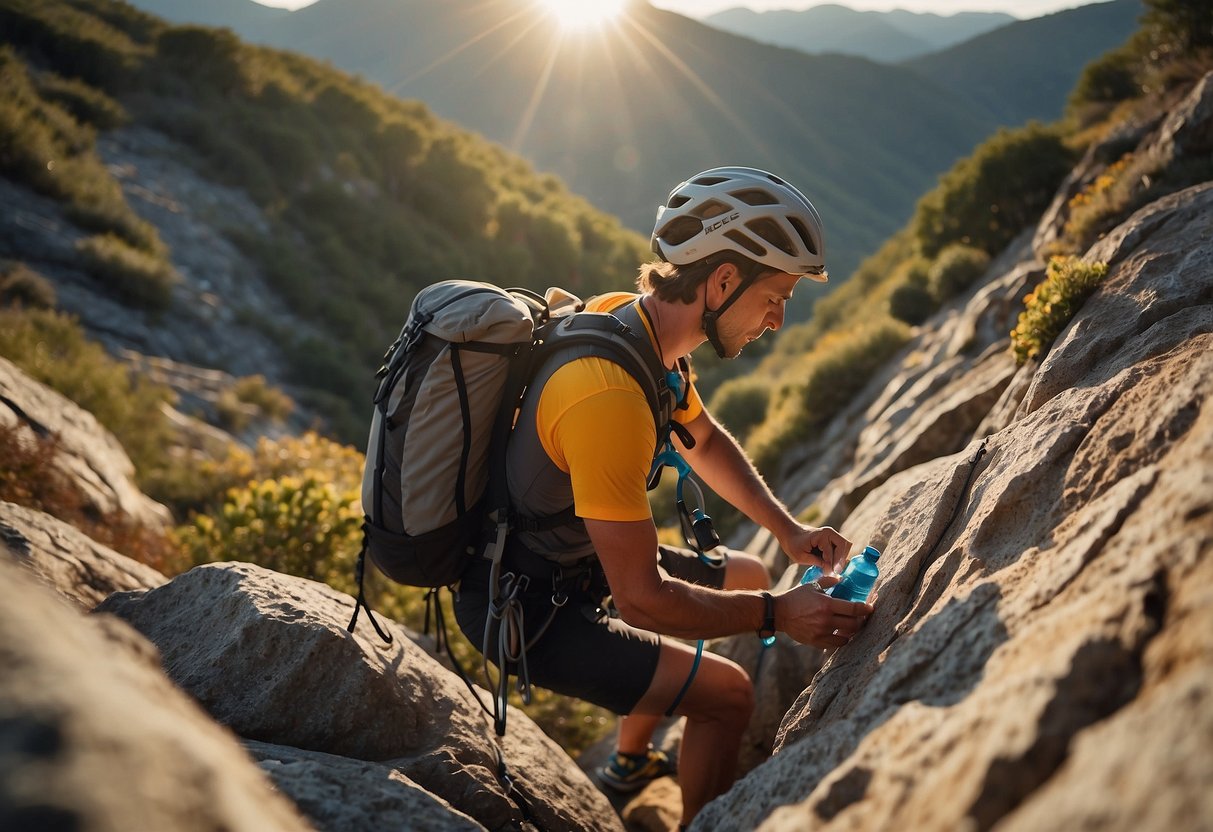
[760, 307]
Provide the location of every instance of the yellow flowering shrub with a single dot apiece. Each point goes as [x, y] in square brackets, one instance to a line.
[1050, 306]
[303, 526]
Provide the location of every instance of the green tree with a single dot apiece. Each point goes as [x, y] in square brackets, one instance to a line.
[1188, 22]
[988, 198]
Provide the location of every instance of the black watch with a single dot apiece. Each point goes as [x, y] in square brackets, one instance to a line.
[768, 616]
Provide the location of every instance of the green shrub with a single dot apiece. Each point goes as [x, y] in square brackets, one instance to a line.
[1105, 81]
[303, 526]
[142, 279]
[22, 286]
[955, 269]
[988, 198]
[1050, 306]
[52, 349]
[741, 404]
[912, 304]
[822, 384]
[87, 104]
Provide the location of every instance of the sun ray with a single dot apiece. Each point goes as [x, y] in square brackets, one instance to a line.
[455, 51]
[708, 93]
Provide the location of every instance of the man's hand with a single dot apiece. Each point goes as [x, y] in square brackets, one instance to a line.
[811, 617]
[822, 547]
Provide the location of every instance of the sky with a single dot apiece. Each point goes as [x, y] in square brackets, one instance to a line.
[702, 8]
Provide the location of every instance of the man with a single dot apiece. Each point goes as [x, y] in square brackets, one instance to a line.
[733, 243]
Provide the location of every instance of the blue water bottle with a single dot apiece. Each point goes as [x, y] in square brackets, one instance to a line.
[858, 578]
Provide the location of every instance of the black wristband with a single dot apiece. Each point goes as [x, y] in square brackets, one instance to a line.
[768, 616]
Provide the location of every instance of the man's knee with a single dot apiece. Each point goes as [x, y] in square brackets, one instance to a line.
[726, 694]
[746, 571]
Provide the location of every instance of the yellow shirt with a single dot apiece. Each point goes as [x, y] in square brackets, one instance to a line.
[595, 424]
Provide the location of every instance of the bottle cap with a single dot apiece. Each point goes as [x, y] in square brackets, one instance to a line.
[871, 552]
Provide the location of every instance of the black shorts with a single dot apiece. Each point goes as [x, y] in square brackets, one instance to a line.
[584, 652]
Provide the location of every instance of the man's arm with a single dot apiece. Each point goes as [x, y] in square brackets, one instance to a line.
[645, 600]
[726, 469]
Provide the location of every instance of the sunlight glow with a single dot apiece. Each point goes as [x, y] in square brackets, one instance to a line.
[583, 14]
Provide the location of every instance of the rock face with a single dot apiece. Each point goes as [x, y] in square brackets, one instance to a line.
[95, 738]
[268, 656]
[78, 568]
[86, 452]
[1042, 652]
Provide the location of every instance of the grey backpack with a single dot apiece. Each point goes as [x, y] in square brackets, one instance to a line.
[433, 489]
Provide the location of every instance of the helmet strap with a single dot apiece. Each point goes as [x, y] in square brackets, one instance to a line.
[711, 316]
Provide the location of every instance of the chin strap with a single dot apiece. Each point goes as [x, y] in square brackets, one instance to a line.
[711, 316]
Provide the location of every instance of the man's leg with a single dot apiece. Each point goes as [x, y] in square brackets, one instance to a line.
[741, 571]
[717, 707]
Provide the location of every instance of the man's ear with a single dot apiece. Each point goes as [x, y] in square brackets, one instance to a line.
[722, 279]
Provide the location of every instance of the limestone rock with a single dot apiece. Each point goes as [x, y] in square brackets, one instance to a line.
[1041, 655]
[93, 739]
[268, 655]
[342, 795]
[78, 568]
[87, 452]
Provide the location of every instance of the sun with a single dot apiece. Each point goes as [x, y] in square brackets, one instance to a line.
[583, 14]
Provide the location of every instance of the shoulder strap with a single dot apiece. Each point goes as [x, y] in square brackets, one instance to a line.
[605, 335]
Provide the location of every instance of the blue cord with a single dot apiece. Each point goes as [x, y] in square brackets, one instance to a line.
[690, 678]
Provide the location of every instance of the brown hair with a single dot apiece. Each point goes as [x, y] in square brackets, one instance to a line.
[670, 282]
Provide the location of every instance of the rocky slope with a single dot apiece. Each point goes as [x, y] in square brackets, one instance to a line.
[1041, 656]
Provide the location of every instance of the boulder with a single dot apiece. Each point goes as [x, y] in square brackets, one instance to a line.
[268, 655]
[342, 795]
[94, 738]
[1041, 656]
[81, 570]
[85, 451]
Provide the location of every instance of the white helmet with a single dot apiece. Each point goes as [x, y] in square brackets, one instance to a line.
[744, 210]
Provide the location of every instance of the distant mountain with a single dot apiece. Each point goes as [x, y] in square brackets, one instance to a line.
[1027, 69]
[623, 113]
[242, 16]
[880, 36]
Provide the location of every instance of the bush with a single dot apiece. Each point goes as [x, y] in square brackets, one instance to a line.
[142, 279]
[988, 198]
[741, 404]
[52, 349]
[955, 269]
[1104, 82]
[87, 104]
[822, 384]
[22, 286]
[304, 526]
[1050, 306]
[912, 303]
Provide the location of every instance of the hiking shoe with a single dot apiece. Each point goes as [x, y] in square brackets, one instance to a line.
[629, 772]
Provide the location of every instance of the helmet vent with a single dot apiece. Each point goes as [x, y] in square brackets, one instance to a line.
[767, 229]
[679, 230]
[746, 242]
[708, 181]
[679, 201]
[755, 196]
[709, 209]
[805, 236]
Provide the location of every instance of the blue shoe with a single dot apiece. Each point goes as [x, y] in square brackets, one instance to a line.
[629, 772]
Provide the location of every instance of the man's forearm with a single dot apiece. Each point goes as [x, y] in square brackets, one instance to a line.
[726, 469]
[690, 611]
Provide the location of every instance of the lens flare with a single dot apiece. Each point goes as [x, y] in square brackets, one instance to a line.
[583, 14]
